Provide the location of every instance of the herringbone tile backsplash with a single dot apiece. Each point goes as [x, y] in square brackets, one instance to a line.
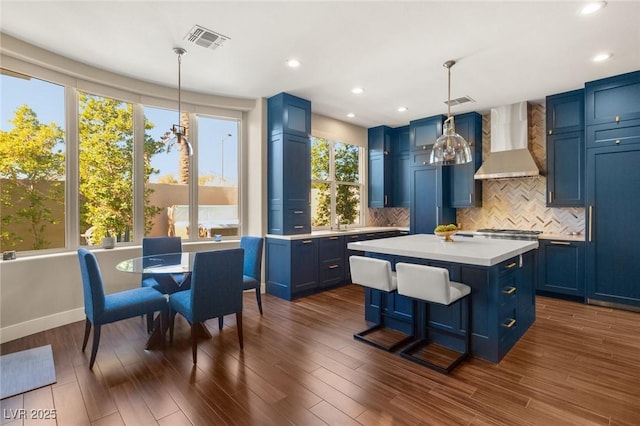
[517, 203]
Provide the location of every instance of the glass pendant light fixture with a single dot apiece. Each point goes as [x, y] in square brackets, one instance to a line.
[178, 133]
[450, 148]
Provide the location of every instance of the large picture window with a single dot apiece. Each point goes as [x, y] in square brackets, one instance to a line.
[32, 164]
[335, 183]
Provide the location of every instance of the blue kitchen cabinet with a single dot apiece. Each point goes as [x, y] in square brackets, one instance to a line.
[424, 132]
[331, 267]
[613, 100]
[400, 168]
[613, 209]
[289, 114]
[565, 149]
[379, 166]
[428, 208]
[289, 165]
[623, 133]
[561, 268]
[292, 267]
[465, 191]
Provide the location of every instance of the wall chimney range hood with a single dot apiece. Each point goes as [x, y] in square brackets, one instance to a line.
[509, 157]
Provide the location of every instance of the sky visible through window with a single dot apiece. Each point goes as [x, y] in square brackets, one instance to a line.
[47, 100]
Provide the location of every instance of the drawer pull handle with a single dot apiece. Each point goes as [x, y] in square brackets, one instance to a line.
[617, 118]
[424, 163]
[511, 265]
[424, 147]
[333, 238]
[298, 211]
[509, 324]
[333, 266]
[307, 241]
[510, 290]
[560, 243]
[298, 227]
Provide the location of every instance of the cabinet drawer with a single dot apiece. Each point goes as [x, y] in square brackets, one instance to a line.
[613, 134]
[331, 273]
[330, 249]
[421, 158]
[508, 320]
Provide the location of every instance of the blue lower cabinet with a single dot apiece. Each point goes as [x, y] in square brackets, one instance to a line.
[561, 268]
[502, 304]
[292, 267]
[331, 261]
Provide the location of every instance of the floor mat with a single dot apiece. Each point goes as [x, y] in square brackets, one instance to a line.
[26, 370]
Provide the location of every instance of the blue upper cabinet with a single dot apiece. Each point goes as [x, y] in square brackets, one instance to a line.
[379, 166]
[424, 132]
[289, 165]
[614, 99]
[565, 149]
[565, 112]
[289, 114]
[465, 191]
[400, 170]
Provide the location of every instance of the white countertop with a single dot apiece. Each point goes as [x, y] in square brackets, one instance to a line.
[331, 233]
[468, 250]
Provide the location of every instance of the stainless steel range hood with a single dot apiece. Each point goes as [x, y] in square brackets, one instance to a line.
[509, 155]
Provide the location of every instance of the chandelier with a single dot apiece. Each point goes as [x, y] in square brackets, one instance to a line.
[450, 148]
[178, 133]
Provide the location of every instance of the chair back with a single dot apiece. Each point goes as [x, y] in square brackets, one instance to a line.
[252, 256]
[424, 282]
[161, 245]
[92, 285]
[216, 283]
[373, 273]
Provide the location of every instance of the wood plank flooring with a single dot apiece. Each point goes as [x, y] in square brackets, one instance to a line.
[300, 365]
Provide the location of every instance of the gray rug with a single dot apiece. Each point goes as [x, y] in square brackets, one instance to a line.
[26, 370]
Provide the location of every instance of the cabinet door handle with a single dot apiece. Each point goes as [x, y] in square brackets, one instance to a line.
[560, 243]
[424, 163]
[550, 132]
[385, 200]
[617, 118]
[307, 241]
[617, 141]
[424, 147]
[511, 265]
[509, 290]
[550, 196]
[333, 266]
[298, 211]
[298, 227]
[437, 215]
[470, 199]
[510, 323]
[590, 223]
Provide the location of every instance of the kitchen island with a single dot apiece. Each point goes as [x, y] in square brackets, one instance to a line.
[501, 274]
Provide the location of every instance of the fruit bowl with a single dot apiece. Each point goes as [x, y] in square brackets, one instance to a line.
[446, 234]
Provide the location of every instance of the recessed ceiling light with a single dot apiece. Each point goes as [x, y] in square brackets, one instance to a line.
[402, 109]
[592, 7]
[357, 90]
[351, 115]
[293, 63]
[602, 57]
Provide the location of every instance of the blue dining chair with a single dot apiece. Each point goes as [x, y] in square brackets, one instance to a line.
[252, 273]
[164, 283]
[103, 309]
[216, 290]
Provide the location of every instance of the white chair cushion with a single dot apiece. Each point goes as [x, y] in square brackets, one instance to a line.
[372, 273]
[429, 283]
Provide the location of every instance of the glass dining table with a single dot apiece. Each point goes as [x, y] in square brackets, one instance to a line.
[176, 265]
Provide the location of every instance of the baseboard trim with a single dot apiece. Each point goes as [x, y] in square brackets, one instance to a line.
[37, 325]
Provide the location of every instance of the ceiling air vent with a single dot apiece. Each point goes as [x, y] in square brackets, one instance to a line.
[459, 101]
[205, 38]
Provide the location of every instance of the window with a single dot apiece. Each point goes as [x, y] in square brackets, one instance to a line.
[335, 183]
[105, 129]
[32, 166]
[217, 177]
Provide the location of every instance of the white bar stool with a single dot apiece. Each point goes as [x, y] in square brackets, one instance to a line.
[428, 285]
[376, 274]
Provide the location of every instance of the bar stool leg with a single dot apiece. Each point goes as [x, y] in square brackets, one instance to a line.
[363, 335]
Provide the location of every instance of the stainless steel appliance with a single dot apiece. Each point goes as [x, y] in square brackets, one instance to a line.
[511, 234]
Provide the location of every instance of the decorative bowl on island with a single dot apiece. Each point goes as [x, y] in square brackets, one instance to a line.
[446, 234]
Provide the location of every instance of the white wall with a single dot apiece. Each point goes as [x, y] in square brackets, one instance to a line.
[330, 128]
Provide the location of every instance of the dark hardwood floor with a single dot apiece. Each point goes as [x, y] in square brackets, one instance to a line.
[300, 365]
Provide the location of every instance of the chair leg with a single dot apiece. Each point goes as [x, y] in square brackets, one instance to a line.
[194, 342]
[87, 330]
[162, 318]
[239, 326]
[259, 299]
[149, 322]
[220, 322]
[94, 347]
[172, 320]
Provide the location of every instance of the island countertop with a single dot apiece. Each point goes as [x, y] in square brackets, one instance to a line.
[468, 250]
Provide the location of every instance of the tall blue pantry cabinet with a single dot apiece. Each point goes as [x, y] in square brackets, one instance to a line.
[613, 190]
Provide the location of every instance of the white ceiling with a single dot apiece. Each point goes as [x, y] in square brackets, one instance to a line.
[506, 51]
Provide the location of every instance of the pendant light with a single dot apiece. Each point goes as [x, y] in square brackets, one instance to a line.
[178, 132]
[450, 148]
